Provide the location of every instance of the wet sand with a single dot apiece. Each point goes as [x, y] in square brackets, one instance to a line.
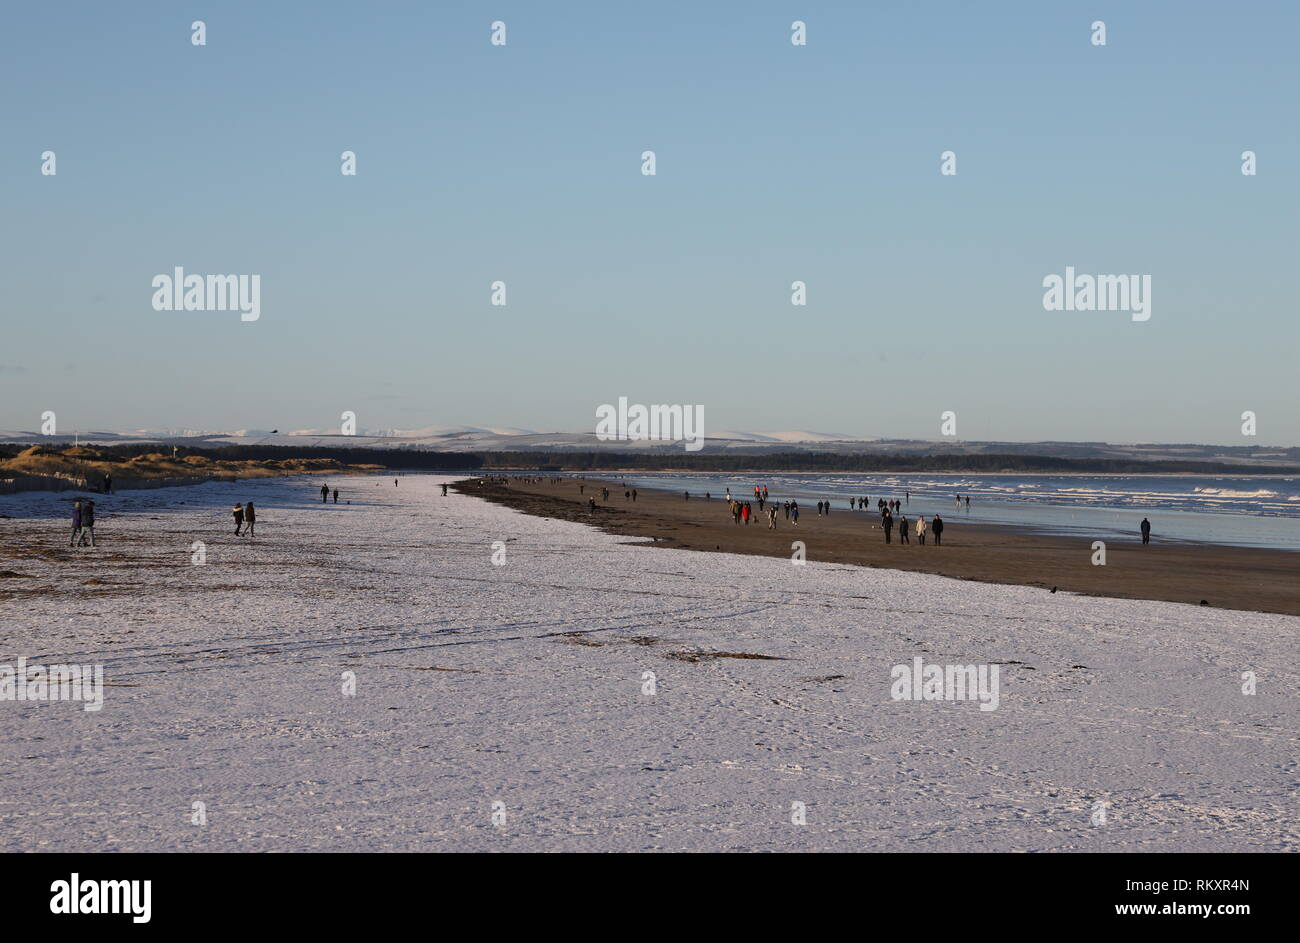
[1246, 578]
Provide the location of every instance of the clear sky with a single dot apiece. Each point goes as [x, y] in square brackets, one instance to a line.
[775, 163]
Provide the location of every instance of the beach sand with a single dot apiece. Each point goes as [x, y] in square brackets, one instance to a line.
[500, 660]
[1244, 578]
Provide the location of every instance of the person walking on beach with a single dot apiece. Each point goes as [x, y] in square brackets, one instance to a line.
[968, 502]
[633, 495]
[1146, 531]
[908, 496]
[444, 489]
[902, 528]
[238, 513]
[936, 528]
[794, 514]
[920, 530]
[108, 484]
[87, 524]
[771, 517]
[250, 518]
[76, 522]
[324, 493]
[887, 522]
[336, 495]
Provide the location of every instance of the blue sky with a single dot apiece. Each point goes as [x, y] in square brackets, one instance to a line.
[775, 163]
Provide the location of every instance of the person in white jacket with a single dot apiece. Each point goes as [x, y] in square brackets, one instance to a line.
[920, 530]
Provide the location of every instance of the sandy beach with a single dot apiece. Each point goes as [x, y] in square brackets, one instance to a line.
[502, 663]
[1250, 579]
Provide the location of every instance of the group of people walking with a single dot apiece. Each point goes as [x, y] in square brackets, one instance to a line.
[888, 521]
[742, 512]
[245, 519]
[83, 524]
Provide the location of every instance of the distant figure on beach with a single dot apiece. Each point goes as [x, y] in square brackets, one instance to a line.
[794, 514]
[968, 502]
[1146, 531]
[902, 528]
[324, 493]
[887, 522]
[336, 495]
[591, 502]
[634, 494]
[771, 517]
[920, 530]
[238, 513]
[581, 488]
[744, 512]
[686, 496]
[444, 489]
[250, 518]
[394, 482]
[936, 528]
[108, 484]
[76, 522]
[87, 524]
[908, 496]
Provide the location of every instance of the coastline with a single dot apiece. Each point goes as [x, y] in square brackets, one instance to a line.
[1242, 578]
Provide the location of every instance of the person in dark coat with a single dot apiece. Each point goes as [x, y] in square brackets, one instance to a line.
[87, 524]
[936, 528]
[238, 513]
[324, 493]
[250, 518]
[76, 523]
[887, 522]
[1146, 531]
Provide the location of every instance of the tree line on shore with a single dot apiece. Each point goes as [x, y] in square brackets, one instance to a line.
[790, 461]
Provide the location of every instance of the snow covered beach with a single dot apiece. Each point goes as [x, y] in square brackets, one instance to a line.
[502, 707]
